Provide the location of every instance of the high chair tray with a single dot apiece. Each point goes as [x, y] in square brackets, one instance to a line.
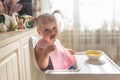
[77, 68]
[101, 68]
[84, 65]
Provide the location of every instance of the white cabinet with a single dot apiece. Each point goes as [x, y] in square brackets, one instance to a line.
[9, 62]
[14, 56]
[25, 57]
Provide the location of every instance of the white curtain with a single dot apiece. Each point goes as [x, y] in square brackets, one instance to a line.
[97, 26]
[90, 24]
[45, 6]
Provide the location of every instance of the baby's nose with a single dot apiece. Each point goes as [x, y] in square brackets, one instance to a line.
[52, 31]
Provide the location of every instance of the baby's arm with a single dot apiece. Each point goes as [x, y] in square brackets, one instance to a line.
[71, 51]
[42, 56]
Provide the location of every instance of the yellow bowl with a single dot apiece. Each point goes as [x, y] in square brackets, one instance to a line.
[93, 54]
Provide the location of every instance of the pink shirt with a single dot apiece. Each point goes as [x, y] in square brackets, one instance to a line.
[61, 58]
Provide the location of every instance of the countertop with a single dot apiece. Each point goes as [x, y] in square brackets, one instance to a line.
[11, 36]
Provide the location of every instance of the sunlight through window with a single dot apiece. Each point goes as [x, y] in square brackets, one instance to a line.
[92, 13]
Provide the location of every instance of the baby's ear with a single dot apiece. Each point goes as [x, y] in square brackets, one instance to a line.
[38, 31]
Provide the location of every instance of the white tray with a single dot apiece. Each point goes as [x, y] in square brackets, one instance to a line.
[102, 66]
[102, 69]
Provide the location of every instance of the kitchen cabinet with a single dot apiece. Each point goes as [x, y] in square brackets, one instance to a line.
[14, 55]
[9, 62]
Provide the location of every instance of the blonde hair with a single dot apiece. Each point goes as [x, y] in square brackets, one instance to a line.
[44, 19]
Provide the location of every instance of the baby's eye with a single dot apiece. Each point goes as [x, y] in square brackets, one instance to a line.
[54, 28]
[46, 30]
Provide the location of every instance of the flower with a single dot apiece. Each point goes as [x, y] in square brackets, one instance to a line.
[11, 6]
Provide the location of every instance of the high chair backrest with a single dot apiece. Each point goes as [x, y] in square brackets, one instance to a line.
[36, 73]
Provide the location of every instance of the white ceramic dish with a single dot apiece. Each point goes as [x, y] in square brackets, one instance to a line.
[93, 54]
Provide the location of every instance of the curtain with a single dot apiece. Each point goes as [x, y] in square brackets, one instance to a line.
[45, 6]
[90, 24]
[95, 26]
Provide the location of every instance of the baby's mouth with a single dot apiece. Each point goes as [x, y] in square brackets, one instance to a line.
[52, 36]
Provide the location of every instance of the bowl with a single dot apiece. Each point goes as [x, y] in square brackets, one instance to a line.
[93, 54]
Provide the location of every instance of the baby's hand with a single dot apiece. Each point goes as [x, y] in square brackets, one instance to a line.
[71, 51]
[50, 48]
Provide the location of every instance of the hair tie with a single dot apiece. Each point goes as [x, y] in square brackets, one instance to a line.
[35, 19]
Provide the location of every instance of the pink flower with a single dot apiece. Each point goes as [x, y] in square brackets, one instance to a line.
[12, 6]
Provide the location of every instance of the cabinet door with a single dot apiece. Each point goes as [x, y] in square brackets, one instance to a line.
[25, 58]
[3, 74]
[9, 62]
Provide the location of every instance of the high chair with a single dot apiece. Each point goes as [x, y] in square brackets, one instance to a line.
[86, 69]
[36, 73]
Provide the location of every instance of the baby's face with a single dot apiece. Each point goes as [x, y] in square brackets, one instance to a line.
[49, 31]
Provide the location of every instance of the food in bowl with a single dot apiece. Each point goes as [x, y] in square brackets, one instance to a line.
[93, 54]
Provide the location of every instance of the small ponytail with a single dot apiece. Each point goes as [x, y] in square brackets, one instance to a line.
[56, 11]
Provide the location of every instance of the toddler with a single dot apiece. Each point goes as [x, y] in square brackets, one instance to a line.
[50, 54]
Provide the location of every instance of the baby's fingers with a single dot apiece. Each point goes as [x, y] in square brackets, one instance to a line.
[51, 48]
